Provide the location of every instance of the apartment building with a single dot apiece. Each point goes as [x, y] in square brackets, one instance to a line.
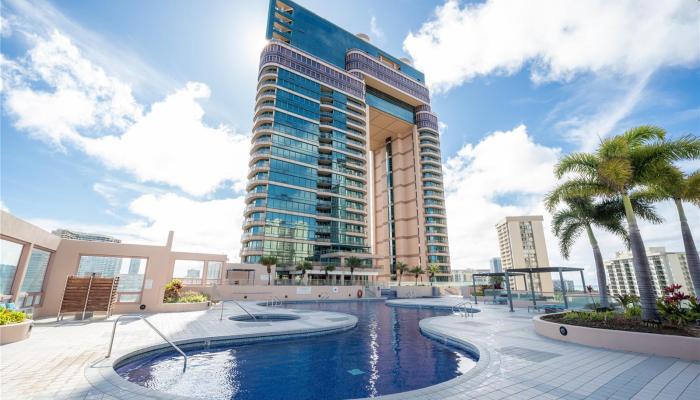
[345, 159]
[666, 268]
[522, 245]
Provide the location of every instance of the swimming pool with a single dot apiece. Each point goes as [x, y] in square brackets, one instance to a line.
[385, 353]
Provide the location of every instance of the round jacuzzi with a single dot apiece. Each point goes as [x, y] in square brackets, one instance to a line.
[264, 318]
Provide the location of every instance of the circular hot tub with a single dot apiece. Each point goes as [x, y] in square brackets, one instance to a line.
[264, 318]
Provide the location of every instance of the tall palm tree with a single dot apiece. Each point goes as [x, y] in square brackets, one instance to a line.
[303, 267]
[268, 261]
[619, 167]
[327, 269]
[582, 214]
[417, 271]
[352, 263]
[401, 267]
[674, 185]
[432, 270]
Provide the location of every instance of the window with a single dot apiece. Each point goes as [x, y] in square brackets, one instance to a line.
[9, 258]
[34, 277]
[214, 271]
[189, 271]
[131, 272]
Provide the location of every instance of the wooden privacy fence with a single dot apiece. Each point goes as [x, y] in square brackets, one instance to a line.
[88, 294]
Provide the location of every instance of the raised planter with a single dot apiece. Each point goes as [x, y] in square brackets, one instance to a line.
[183, 307]
[684, 347]
[15, 332]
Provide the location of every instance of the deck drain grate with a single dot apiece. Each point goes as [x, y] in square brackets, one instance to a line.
[528, 354]
[355, 372]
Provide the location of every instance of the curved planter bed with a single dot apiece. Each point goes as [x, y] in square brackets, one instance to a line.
[15, 332]
[184, 307]
[684, 347]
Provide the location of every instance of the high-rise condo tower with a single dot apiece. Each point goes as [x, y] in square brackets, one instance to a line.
[346, 154]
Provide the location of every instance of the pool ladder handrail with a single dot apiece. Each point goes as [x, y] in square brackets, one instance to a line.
[273, 301]
[411, 294]
[322, 297]
[468, 312]
[141, 317]
[221, 317]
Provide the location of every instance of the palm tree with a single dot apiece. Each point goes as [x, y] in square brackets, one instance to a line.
[401, 267]
[619, 167]
[352, 263]
[674, 185]
[432, 270]
[327, 269]
[268, 261]
[582, 214]
[303, 267]
[417, 271]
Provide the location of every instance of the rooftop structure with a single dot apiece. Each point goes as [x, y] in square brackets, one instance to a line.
[88, 237]
[346, 154]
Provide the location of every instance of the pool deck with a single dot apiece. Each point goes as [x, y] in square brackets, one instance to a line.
[66, 360]
[517, 363]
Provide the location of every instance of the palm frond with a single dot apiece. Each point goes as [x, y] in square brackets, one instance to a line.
[569, 233]
[692, 188]
[576, 188]
[585, 164]
[641, 135]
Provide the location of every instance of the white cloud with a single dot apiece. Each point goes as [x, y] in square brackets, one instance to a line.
[377, 32]
[506, 173]
[211, 226]
[556, 39]
[61, 97]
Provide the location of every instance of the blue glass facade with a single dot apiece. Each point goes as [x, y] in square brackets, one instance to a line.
[309, 179]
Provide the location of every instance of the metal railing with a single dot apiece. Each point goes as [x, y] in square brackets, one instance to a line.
[323, 297]
[141, 317]
[221, 317]
[273, 301]
[468, 312]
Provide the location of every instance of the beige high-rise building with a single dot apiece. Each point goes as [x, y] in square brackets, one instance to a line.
[522, 245]
[346, 158]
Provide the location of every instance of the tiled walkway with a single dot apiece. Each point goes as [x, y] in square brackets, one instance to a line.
[66, 361]
[524, 365]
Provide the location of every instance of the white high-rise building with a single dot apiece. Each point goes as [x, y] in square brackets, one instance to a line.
[666, 268]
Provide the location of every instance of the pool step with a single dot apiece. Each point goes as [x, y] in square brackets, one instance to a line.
[389, 293]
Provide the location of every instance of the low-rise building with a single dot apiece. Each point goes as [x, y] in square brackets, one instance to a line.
[666, 268]
[568, 284]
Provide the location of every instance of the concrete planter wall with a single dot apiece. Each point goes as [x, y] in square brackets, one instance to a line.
[684, 347]
[182, 307]
[15, 332]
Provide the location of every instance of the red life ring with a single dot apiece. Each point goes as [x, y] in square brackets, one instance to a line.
[359, 293]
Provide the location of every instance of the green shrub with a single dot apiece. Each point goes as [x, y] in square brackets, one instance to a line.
[192, 297]
[172, 291]
[633, 311]
[588, 315]
[8, 317]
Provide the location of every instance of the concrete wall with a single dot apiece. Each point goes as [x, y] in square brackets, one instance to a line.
[66, 255]
[239, 292]
[684, 347]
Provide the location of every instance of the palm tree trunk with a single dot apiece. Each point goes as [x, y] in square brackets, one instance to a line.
[400, 279]
[647, 297]
[269, 275]
[691, 253]
[599, 269]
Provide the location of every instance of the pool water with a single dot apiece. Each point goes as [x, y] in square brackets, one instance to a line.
[385, 353]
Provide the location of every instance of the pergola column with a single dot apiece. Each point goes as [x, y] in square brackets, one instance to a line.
[476, 299]
[532, 289]
[510, 296]
[563, 289]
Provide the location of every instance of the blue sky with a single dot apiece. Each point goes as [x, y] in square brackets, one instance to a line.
[169, 87]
